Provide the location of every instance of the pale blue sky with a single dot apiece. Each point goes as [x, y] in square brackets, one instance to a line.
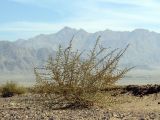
[27, 18]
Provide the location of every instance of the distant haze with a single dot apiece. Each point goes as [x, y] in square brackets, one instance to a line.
[21, 56]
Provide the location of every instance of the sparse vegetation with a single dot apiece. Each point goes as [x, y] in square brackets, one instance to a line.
[77, 79]
[10, 89]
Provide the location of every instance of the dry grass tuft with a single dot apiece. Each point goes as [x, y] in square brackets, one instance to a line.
[10, 89]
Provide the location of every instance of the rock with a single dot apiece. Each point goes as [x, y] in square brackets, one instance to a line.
[152, 116]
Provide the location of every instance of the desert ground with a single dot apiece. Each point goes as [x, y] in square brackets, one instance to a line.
[133, 103]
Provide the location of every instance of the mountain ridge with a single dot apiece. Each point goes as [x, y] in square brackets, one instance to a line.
[143, 51]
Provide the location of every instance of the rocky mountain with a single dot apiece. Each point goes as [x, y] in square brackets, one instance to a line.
[143, 51]
[23, 55]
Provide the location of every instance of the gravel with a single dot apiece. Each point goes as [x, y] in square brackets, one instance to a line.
[21, 108]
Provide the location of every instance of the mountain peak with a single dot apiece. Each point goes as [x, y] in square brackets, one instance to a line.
[82, 31]
[141, 30]
[67, 29]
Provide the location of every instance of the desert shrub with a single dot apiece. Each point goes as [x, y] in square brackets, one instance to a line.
[78, 78]
[11, 88]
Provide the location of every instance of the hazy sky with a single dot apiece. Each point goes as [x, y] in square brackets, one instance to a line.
[26, 18]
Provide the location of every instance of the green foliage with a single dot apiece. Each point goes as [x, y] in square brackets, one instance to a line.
[11, 88]
[78, 78]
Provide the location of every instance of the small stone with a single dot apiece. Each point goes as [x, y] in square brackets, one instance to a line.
[105, 118]
[152, 116]
[51, 118]
[142, 119]
[27, 107]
